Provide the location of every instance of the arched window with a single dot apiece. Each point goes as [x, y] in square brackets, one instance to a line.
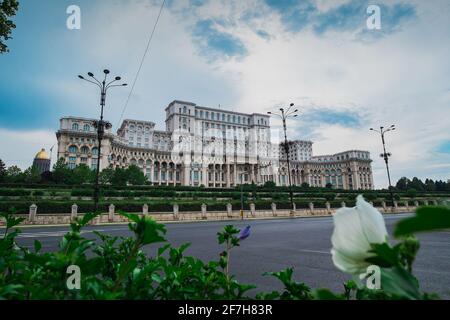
[95, 151]
[75, 126]
[73, 149]
[86, 127]
[84, 150]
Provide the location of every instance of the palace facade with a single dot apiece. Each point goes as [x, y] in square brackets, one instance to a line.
[211, 147]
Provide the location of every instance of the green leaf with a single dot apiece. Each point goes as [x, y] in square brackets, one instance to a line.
[385, 255]
[37, 246]
[426, 219]
[325, 294]
[132, 217]
[400, 283]
[152, 232]
[163, 249]
[12, 222]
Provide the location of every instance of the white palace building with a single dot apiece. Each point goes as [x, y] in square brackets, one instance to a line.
[211, 147]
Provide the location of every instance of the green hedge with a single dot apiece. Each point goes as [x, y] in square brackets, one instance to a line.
[14, 192]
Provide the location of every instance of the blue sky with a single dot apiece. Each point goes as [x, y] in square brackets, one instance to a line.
[251, 56]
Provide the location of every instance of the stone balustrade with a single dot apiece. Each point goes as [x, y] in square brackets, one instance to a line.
[228, 213]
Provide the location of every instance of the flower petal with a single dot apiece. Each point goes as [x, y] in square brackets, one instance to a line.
[347, 264]
[372, 221]
[348, 235]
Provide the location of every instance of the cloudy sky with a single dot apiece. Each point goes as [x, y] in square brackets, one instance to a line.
[246, 55]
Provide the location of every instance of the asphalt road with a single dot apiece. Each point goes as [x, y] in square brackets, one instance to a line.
[303, 243]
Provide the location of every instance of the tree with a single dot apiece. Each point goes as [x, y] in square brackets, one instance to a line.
[429, 185]
[411, 193]
[61, 174]
[2, 171]
[403, 183]
[32, 175]
[269, 184]
[329, 185]
[80, 175]
[120, 177]
[135, 175]
[8, 9]
[106, 176]
[305, 185]
[417, 184]
[14, 174]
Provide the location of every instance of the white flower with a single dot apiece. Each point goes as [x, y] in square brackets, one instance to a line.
[354, 230]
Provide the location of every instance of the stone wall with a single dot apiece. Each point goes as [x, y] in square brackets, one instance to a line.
[34, 218]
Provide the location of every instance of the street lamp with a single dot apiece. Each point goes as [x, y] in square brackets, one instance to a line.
[385, 155]
[101, 125]
[284, 115]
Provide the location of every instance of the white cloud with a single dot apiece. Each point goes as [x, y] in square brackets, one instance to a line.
[19, 147]
[401, 79]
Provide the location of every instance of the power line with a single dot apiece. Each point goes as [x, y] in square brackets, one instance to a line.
[142, 62]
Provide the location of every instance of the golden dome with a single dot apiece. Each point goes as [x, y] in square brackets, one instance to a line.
[42, 155]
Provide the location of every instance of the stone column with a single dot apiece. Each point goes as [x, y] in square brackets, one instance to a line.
[186, 175]
[343, 204]
[328, 207]
[252, 209]
[204, 177]
[145, 209]
[406, 204]
[73, 212]
[229, 210]
[425, 202]
[32, 213]
[175, 211]
[152, 172]
[204, 211]
[383, 204]
[228, 175]
[435, 203]
[416, 203]
[159, 174]
[111, 213]
[311, 208]
[274, 209]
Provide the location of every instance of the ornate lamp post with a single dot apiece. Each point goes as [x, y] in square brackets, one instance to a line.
[284, 115]
[101, 125]
[385, 155]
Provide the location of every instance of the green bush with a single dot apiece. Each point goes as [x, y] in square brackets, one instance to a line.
[14, 192]
[118, 268]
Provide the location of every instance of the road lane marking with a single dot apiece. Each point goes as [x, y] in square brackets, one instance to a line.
[314, 251]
